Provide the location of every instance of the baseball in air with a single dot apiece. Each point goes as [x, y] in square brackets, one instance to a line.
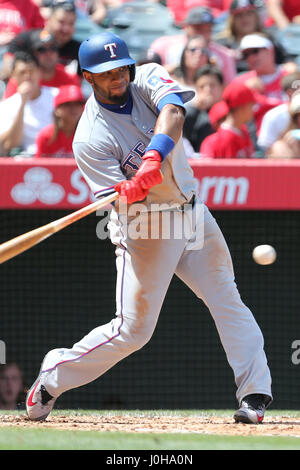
[264, 254]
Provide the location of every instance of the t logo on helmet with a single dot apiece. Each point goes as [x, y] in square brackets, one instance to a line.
[111, 47]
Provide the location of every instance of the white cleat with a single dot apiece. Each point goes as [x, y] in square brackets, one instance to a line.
[39, 402]
[252, 409]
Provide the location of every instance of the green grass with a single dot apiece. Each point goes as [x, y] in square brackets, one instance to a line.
[50, 439]
[18, 438]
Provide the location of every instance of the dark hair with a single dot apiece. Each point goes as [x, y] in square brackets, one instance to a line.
[182, 58]
[67, 5]
[26, 57]
[7, 365]
[209, 69]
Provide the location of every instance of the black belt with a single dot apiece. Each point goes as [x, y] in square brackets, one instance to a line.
[191, 202]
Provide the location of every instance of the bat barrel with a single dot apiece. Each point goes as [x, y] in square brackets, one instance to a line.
[21, 243]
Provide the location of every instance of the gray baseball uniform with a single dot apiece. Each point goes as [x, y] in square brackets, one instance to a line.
[108, 146]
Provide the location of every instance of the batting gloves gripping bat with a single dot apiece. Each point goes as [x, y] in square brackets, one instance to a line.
[132, 190]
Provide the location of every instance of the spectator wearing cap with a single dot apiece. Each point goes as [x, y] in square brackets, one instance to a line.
[259, 53]
[217, 114]
[55, 140]
[209, 86]
[232, 138]
[288, 145]
[264, 75]
[284, 12]
[245, 17]
[53, 74]
[199, 21]
[276, 121]
[25, 113]
[61, 25]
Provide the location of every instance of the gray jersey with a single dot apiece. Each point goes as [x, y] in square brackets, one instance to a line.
[109, 146]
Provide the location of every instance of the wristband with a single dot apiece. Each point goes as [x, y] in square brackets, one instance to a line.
[162, 143]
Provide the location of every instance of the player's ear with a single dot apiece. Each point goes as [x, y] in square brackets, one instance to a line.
[88, 76]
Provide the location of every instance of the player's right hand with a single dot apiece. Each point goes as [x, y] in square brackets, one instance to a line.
[132, 190]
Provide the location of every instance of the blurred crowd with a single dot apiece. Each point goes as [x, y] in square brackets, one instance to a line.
[242, 58]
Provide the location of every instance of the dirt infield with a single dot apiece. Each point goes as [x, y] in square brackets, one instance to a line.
[272, 425]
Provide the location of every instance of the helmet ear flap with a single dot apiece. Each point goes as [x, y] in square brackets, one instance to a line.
[132, 72]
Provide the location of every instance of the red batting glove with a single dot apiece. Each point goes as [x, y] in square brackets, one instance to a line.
[132, 190]
[149, 172]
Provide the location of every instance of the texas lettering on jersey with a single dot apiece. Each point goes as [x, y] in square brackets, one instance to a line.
[133, 160]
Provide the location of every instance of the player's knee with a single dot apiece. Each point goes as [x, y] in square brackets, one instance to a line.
[139, 340]
[137, 335]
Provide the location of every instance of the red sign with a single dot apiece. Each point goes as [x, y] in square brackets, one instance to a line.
[223, 184]
[249, 184]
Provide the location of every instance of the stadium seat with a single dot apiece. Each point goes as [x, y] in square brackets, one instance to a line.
[140, 23]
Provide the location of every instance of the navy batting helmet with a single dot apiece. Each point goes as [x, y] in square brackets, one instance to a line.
[103, 52]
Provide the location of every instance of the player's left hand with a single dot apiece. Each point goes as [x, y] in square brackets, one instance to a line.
[149, 173]
[132, 190]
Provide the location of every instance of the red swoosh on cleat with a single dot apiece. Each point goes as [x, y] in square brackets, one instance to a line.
[259, 418]
[29, 401]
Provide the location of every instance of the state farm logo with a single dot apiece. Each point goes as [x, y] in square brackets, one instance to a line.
[37, 186]
[224, 190]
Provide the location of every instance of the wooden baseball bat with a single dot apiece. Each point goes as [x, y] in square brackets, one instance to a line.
[19, 244]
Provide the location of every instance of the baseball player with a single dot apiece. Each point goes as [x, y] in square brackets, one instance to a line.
[129, 138]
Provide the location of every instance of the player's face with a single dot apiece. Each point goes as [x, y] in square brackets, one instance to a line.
[110, 87]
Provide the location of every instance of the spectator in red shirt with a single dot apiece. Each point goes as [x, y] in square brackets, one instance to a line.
[264, 75]
[56, 139]
[17, 16]
[232, 139]
[53, 74]
[284, 12]
[217, 114]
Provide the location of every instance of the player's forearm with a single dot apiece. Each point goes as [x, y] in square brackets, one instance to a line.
[170, 121]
